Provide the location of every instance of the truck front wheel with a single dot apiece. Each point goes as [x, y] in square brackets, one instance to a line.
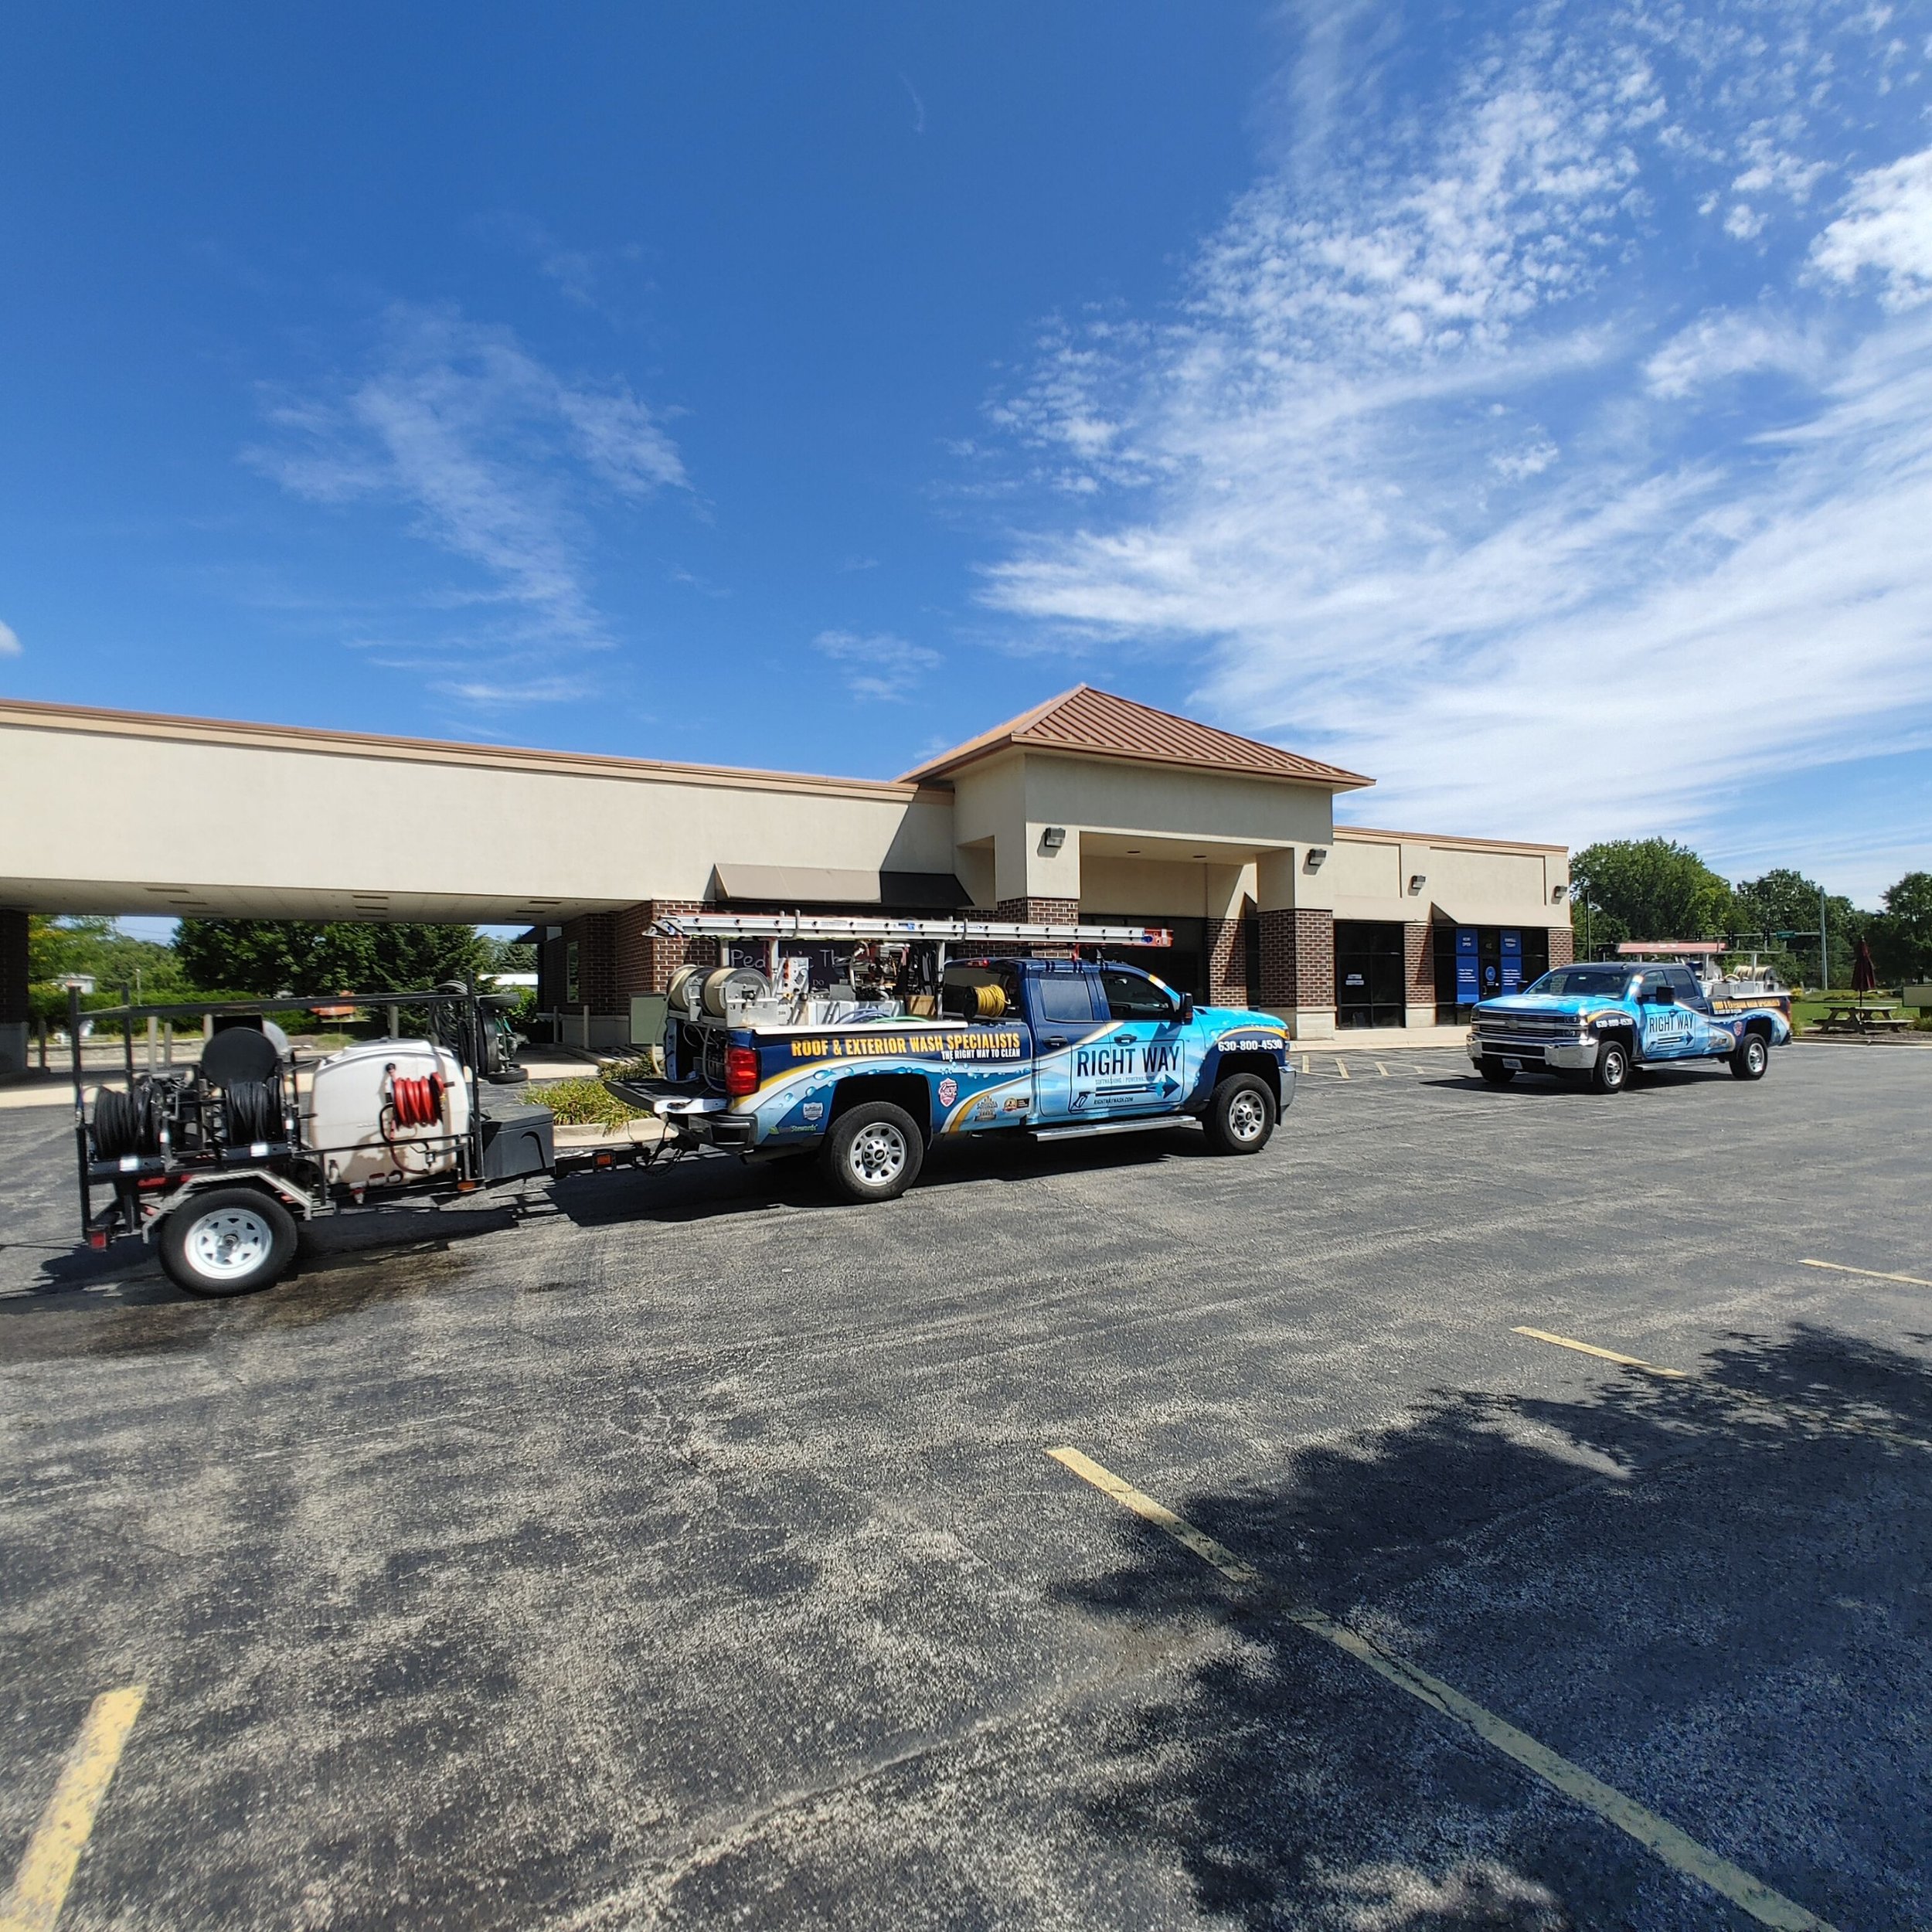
[1753, 1056]
[874, 1152]
[231, 1240]
[1612, 1067]
[1240, 1116]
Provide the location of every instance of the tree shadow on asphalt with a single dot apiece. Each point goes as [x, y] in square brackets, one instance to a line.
[1710, 1593]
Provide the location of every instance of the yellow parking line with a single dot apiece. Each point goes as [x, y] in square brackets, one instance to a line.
[1876, 1430]
[1308, 1063]
[1876, 1274]
[1383, 1071]
[1606, 1354]
[1342, 1067]
[1656, 1834]
[40, 1887]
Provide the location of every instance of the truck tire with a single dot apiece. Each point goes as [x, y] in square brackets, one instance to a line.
[1613, 1071]
[1494, 1072]
[1752, 1059]
[874, 1152]
[1240, 1115]
[229, 1241]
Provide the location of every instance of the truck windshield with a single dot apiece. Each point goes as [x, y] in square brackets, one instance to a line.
[1586, 982]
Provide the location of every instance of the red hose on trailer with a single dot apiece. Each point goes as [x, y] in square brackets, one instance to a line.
[417, 1102]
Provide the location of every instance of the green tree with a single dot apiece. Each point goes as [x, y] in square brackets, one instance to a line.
[93, 944]
[1648, 889]
[306, 959]
[1784, 902]
[1902, 934]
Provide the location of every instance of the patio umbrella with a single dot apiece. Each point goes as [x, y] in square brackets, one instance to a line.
[1865, 976]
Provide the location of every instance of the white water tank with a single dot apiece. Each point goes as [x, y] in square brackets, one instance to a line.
[348, 1120]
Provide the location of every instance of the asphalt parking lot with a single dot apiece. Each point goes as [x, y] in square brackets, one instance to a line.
[690, 1551]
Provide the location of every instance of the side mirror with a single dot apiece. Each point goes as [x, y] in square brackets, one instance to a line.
[1187, 1007]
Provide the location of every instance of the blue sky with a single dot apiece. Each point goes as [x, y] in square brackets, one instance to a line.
[1529, 405]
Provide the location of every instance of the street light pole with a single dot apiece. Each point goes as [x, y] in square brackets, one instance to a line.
[1823, 947]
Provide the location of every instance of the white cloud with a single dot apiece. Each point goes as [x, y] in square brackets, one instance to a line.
[1886, 227]
[1324, 478]
[1724, 344]
[879, 666]
[496, 459]
[9, 642]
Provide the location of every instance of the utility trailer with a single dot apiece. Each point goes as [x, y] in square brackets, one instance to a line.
[221, 1165]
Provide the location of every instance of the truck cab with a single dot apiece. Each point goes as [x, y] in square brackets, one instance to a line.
[1047, 1048]
[1602, 1021]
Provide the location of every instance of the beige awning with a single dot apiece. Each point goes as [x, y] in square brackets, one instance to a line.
[1480, 912]
[1403, 911]
[794, 885]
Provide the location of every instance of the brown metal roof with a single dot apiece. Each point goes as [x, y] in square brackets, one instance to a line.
[1101, 724]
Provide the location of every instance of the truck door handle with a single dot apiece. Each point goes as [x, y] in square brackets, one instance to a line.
[1057, 1039]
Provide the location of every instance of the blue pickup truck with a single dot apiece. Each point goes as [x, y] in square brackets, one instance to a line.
[1050, 1049]
[1603, 1021]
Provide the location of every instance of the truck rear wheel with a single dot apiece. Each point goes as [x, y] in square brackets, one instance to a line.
[874, 1152]
[1752, 1058]
[229, 1241]
[1240, 1116]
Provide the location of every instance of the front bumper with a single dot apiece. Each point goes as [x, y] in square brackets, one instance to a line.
[1571, 1054]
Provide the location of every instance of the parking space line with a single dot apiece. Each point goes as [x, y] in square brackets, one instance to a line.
[1875, 1274]
[1342, 1067]
[1655, 1834]
[1750, 1397]
[1606, 1354]
[40, 1886]
[1383, 1071]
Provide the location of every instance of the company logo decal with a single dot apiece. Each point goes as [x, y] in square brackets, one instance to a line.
[948, 1091]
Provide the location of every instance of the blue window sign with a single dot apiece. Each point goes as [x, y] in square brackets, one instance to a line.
[1468, 990]
[1511, 961]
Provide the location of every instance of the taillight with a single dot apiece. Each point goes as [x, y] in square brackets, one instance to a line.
[741, 1071]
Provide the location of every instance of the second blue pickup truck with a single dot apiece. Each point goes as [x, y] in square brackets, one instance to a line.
[1047, 1048]
[1602, 1023]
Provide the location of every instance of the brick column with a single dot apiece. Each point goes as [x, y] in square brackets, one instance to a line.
[645, 964]
[1419, 975]
[1034, 912]
[1227, 971]
[14, 1012]
[1297, 968]
[595, 936]
[1562, 946]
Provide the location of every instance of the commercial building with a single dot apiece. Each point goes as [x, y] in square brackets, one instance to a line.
[1090, 807]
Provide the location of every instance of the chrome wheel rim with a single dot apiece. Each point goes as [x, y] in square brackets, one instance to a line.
[1246, 1116]
[1754, 1055]
[878, 1155]
[228, 1245]
[1616, 1068]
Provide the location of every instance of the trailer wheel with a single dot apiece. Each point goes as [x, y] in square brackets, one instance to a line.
[229, 1241]
[1752, 1058]
[874, 1152]
[1240, 1116]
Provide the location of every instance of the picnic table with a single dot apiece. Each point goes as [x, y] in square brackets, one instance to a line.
[1864, 1016]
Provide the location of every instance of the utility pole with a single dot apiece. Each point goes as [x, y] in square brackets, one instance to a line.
[1824, 953]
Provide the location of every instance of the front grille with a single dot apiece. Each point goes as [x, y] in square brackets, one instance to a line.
[1528, 1025]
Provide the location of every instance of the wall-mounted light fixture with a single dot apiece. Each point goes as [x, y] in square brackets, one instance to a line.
[1316, 854]
[1558, 894]
[1416, 881]
[1053, 839]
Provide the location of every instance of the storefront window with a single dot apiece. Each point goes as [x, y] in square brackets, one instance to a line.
[1370, 973]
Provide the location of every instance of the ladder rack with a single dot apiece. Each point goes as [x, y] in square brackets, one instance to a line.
[948, 931]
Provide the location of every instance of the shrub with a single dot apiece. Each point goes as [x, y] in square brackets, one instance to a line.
[583, 1102]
